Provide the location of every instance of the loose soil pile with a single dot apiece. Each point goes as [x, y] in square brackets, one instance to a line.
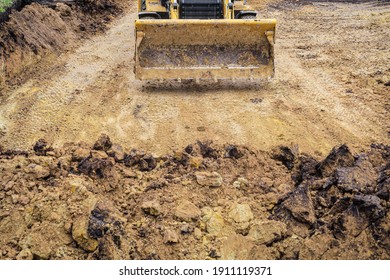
[205, 202]
[38, 31]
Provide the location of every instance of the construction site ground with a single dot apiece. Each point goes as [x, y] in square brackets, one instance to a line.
[208, 170]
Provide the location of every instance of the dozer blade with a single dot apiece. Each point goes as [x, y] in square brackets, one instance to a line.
[204, 49]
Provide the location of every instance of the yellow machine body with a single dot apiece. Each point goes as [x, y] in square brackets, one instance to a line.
[227, 48]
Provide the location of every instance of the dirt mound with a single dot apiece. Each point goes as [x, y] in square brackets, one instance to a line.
[206, 202]
[38, 31]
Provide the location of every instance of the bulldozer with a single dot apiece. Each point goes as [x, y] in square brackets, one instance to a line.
[202, 39]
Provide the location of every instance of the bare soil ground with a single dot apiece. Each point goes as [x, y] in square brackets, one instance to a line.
[203, 202]
[331, 87]
[266, 187]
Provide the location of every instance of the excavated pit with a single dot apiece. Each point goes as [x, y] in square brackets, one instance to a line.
[42, 32]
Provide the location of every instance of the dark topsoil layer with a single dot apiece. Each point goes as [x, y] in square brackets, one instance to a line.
[205, 202]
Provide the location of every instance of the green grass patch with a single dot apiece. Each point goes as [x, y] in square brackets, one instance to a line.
[4, 4]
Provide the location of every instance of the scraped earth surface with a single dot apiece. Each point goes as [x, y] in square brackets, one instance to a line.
[274, 183]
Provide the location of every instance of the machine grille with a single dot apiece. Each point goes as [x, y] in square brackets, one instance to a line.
[200, 9]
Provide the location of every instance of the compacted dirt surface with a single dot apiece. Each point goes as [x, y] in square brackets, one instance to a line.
[292, 168]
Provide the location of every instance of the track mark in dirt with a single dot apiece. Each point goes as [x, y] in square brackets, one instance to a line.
[305, 104]
[319, 95]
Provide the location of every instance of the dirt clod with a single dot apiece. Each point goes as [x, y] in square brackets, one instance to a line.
[338, 157]
[285, 155]
[233, 152]
[98, 167]
[187, 211]
[40, 148]
[207, 150]
[151, 207]
[103, 143]
[299, 204]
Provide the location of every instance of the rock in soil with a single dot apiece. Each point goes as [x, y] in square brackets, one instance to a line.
[267, 232]
[81, 236]
[83, 203]
[187, 211]
[171, 237]
[152, 207]
[209, 179]
[241, 213]
[214, 222]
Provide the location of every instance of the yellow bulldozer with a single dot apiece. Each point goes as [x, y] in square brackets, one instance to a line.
[202, 39]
